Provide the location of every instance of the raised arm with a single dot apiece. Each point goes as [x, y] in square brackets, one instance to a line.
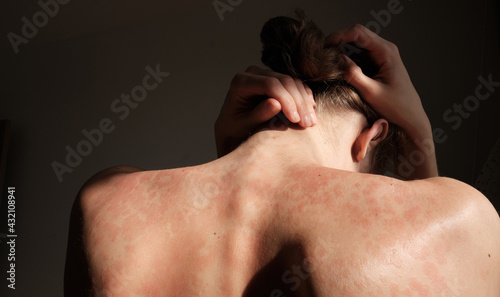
[257, 95]
[390, 92]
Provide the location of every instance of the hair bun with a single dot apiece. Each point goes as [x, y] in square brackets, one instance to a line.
[296, 47]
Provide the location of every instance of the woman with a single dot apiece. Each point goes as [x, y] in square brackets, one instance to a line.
[294, 210]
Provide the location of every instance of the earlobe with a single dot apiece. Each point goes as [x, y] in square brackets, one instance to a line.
[368, 139]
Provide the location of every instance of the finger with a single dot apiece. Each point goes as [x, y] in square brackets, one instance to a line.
[310, 94]
[378, 48]
[263, 112]
[249, 85]
[301, 100]
[368, 88]
[358, 34]
[306, 105]
[304, 102]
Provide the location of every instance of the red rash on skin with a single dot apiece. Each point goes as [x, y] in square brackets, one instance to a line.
[438, 281]
[421, 289]
[412, 215]
[441, 249]
[204, 231]
[357, 215]
[395, 292]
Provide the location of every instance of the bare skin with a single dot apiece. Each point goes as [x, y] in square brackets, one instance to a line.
[250, 224]
[289, 213]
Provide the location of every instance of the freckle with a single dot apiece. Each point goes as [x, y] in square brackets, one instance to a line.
[489, 256]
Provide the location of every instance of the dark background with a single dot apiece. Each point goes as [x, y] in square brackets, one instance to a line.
[66, 77]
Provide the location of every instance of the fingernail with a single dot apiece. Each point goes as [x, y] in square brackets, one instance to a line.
[295, 117]
[307, 121]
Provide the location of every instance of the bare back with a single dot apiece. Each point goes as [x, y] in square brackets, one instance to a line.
[221, 230]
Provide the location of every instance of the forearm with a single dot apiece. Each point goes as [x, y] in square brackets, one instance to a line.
[418, 155]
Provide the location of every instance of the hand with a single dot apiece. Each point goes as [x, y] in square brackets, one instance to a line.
[390, 92]
[256, 96]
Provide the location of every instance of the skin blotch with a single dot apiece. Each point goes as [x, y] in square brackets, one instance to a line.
[438, 281]
[207, 231]
[441, 250]
[358, 215]
[413, 215]
[419, 288]
[395, 291]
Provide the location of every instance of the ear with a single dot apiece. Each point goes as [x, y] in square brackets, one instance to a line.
[368, 139]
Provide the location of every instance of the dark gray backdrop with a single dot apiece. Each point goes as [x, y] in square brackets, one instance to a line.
[65, 78]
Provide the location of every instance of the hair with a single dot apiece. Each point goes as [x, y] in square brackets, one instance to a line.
[296, 47]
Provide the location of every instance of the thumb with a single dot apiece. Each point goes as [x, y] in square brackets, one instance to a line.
[366, 86]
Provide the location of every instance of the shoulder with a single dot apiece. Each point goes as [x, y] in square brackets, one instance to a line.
[103, 184]
[447, 196]
[448, 205]
[109, 175]
[471, 223]
[77, 281]
[454, 193]
[461, 224]
[123, 190]
[101, 193]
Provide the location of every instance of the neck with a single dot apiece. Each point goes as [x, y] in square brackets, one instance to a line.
[296, 146]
